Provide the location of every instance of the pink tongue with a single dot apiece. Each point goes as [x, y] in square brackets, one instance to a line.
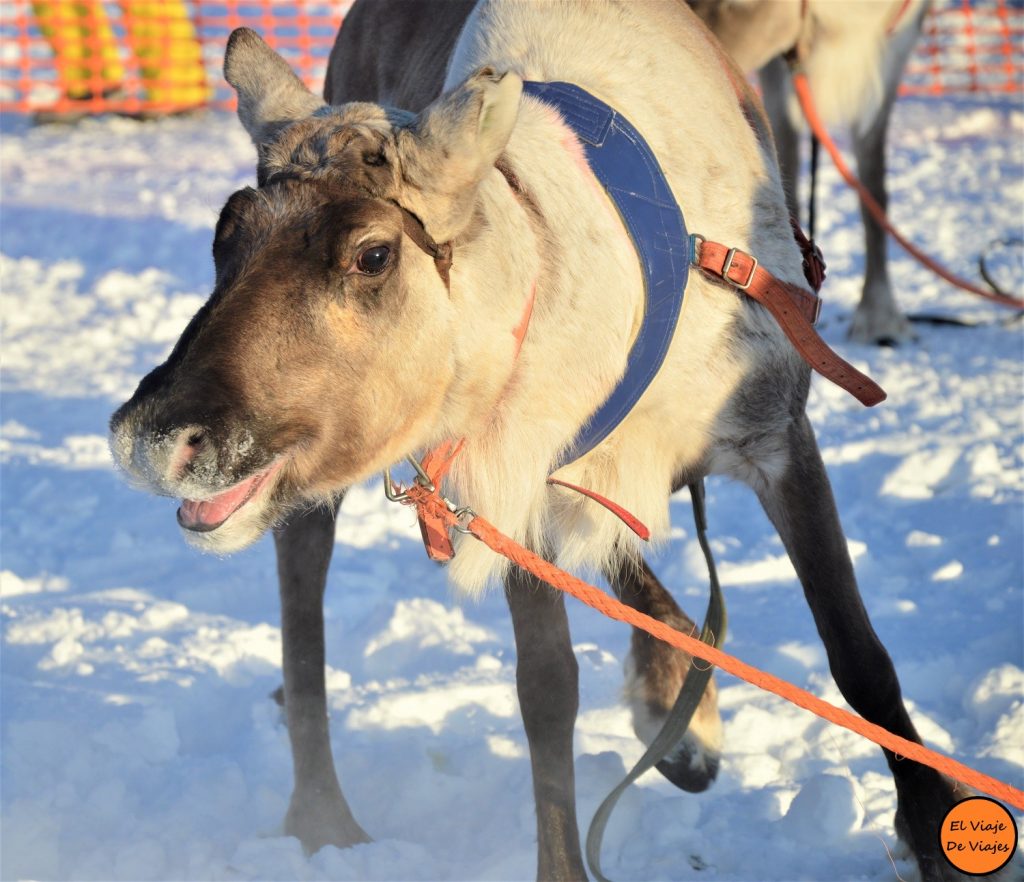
[210, 513]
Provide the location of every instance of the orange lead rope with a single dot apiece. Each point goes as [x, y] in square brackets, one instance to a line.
[434, 505]
[803, 92]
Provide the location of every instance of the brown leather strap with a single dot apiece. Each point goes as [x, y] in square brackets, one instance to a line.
[630, 520]
[793, 308]
[442, 253]
[814, 260]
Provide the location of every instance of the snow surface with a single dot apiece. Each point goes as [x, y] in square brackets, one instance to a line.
[139, 739]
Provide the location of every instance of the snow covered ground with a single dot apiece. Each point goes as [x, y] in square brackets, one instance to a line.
[139, 739]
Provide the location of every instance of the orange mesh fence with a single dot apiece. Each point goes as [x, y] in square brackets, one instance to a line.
[165, 55]
[969, 47]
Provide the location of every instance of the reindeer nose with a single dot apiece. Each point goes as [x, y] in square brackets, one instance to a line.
[194, 441]
[189, 443]
[157, 456]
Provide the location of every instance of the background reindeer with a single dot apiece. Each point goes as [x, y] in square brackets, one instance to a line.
[854, 54]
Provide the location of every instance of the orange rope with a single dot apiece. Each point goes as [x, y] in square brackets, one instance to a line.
[803, 91]
[427, 501]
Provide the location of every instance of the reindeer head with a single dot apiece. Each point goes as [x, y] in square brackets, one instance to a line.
[324, 352]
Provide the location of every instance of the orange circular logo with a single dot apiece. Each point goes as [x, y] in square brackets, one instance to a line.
[978, 836]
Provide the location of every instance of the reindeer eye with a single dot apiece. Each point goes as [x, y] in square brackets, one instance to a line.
[374, 260]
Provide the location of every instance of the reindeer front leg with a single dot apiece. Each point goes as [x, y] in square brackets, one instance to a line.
[547, 680]
[318, 813]
[878, 318]
[655, 674]
[801, 506]
[777, 86]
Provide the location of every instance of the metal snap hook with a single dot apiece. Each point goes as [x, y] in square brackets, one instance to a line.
[462, 512]
[390, 491]
[395, 494]
[422, 478]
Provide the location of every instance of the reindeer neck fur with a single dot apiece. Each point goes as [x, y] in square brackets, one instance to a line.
[848, 42]
[695, 416]
[587, 308]
[841, 44]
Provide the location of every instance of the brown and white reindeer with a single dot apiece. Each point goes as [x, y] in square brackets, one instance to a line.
[341, 337]
[853, 53]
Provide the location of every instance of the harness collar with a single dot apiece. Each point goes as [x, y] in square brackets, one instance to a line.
[622, 161]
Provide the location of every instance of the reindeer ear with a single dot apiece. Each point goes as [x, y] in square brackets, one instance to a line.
[451, 145]
[466, 130]
[270, 95]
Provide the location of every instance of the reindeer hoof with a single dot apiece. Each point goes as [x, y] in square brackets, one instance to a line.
[323, 819]
[692, 766]
[880, 327]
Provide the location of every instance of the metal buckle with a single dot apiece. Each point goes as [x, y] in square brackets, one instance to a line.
[728, 266]
[694, 249]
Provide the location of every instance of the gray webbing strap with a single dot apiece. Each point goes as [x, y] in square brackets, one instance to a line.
[678, 720]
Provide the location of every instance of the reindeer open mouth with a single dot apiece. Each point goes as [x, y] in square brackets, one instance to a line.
[206, 515]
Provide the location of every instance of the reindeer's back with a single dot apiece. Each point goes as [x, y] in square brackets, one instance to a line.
[394, 52]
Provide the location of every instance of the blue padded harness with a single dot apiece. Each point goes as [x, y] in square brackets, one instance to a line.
[626, 167]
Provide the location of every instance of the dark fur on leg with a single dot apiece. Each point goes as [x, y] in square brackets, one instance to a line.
[801, 506]
[547, 679]
[318, 813]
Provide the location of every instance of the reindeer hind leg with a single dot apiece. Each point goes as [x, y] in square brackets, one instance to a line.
[800, 505]
[655, 673]
[878, 318]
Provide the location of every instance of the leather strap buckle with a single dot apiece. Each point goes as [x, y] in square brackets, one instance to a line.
[696, 240]
[728, 266]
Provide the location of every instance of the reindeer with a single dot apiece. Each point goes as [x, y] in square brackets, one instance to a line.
[854, 54]
[366, 296]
